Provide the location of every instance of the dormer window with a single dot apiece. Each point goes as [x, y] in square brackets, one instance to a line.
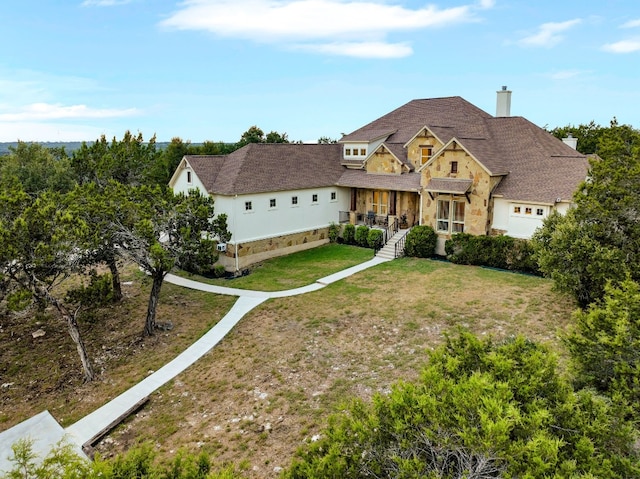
[363, 152]
[347, 152]
[355, 152]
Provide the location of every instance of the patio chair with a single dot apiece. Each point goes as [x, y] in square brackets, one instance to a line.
[371, 218]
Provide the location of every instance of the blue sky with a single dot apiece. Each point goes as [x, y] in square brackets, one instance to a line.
[210, 69]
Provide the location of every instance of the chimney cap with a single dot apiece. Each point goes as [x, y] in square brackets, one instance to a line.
[504, 87]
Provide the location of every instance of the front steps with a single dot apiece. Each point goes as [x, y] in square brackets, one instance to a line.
[388, 251]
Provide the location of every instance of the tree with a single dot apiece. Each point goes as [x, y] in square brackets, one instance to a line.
[275, 137]
[479, 410]
[588, 136]
[597, 241]
[256, 135]
[167, 230]
[102, 210]
[604, 343]
[252, 135]
[36, 168]
[325, 140]
[130, 161]
[38, 253]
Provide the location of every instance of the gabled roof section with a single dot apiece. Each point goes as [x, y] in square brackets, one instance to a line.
[265, 167]
[428, 131]
[454, 116]
[396, 151]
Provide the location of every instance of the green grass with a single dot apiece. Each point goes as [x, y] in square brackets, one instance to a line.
[294, 270]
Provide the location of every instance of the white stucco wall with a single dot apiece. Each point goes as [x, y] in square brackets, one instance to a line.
[523, 224]
[181, 185]
[263, 221]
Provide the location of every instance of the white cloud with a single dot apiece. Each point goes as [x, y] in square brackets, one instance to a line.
[338, 27]
[47, 111]
[623, 46]
[548, 34]
[104, 3]
[631, 24]
[362, 49]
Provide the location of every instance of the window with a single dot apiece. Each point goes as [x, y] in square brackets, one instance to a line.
[442, 223]
[347, 152]
[248, 206]
[363, 152]
[539, 211]
[355, 152]
[189, 177]
[516, 210]
[272, 203]
[457, 222]
[425, 154]
[334, 196]
[380, 204]
[454, 167]
[294, 200]
[314, 198]
[450, 216]
[527, 211]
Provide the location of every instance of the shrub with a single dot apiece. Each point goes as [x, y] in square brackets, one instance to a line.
[504, 252]
[99, 292]
[479, 409]
[219, 271]
[421, 242]
[362, 233]
[334, 232]
[375, 239]
[349, 234]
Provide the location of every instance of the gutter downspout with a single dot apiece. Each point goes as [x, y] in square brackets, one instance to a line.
[235, 243]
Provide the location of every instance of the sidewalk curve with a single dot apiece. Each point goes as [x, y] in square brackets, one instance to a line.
[94, 425]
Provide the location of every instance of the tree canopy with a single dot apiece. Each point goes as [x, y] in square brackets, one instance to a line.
[479, 410]
[598, 240]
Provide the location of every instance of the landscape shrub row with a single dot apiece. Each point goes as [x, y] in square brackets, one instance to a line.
[504, 252]
[360, 235]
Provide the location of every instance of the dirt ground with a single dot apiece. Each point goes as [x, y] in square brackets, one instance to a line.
[270, 385]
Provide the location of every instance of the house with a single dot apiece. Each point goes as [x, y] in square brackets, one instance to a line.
[441, 162]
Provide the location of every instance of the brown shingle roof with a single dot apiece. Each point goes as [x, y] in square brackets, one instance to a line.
[535, 165]
[445, 114]
[264, 167]
[448, 185]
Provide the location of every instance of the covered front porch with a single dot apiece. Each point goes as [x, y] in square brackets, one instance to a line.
[382, 208]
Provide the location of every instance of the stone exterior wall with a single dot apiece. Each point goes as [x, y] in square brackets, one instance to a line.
[424, 139]
[383, 162]
[477, 211]
[256, 251]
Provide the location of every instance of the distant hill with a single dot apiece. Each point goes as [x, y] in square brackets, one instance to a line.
[69, 146]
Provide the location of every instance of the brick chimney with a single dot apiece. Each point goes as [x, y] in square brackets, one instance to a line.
[503, 103]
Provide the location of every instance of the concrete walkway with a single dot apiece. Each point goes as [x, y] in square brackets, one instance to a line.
[46, 433]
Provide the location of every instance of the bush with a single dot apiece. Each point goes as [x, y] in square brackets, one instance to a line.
[219, 271]
[375, 239]
[504, 252]
[421, 242]
[99, 292]
[334, 232]
[362, 234]
[349, 234]
[479, 409]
